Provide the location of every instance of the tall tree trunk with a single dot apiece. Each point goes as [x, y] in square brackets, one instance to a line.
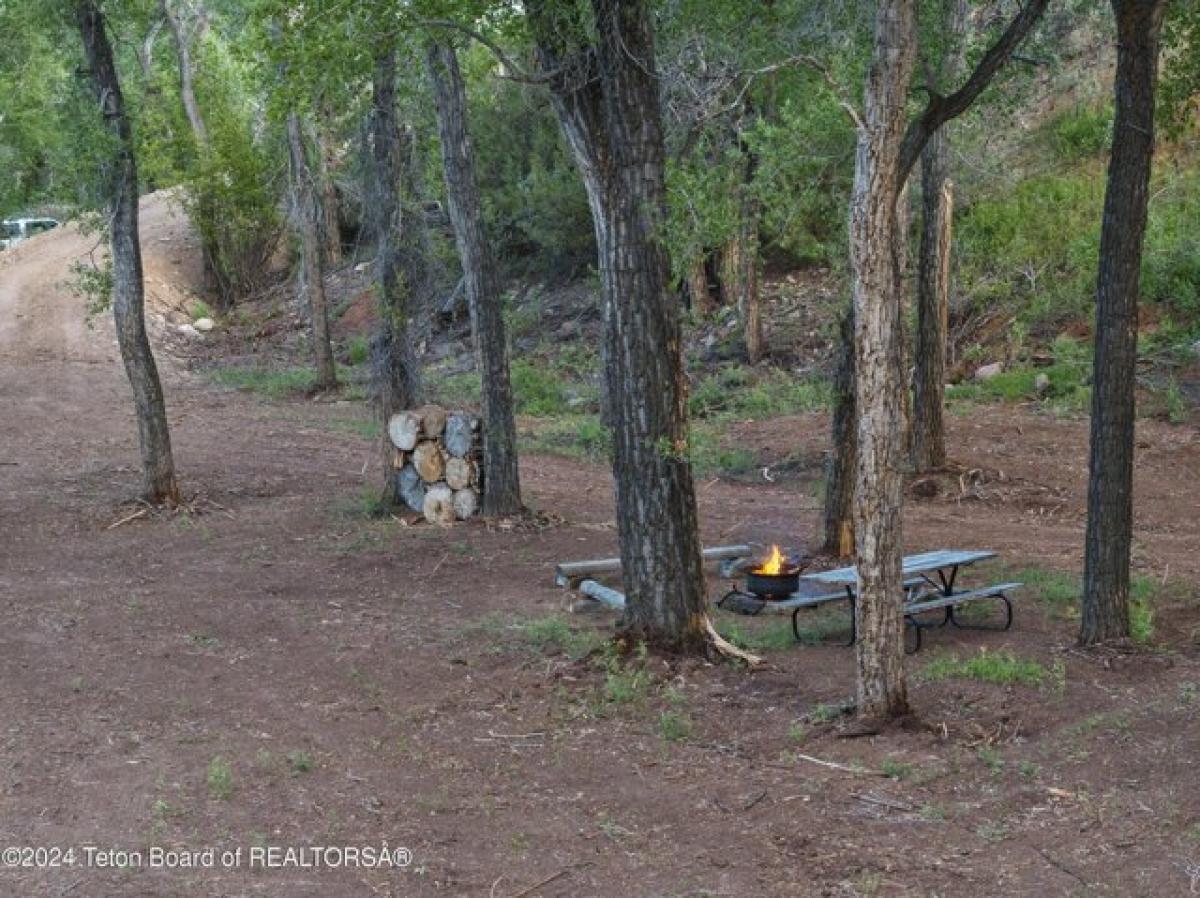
[395, 374]
[933, 265]
[842, 464]
[606, 98]
[502, 485]
[331, 229]
[697, 286]
[306, 217]
[154, 438]
[183, 53]
[740, 268]
[1110, 475]
[877, 288]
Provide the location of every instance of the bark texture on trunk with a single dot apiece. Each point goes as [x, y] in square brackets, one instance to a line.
[154, 438]
[843, 456]
[395, 374]
[933, 307]
[877, 289]
[1110, 475]
[184, 37]
[331, 229]
[933, 265]
[306, 217]
[739, 271]
[502, 495]
[606, 98]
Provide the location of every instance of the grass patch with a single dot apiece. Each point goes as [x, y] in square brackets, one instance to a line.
[275, 383]
[1067, 392]
[990, 667]
[199, 309]
[741, 392]
[774, 637]
[453, 390]
[358, 350]
[1063, 592]
[673, 726]
[575, 436]
[555, 634]
[219, 778]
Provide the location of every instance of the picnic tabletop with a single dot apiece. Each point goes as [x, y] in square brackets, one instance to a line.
[913, 564]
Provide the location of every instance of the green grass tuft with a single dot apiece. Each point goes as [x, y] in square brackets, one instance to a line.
[989, 667]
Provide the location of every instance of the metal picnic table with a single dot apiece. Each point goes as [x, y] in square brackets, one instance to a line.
[929, 585]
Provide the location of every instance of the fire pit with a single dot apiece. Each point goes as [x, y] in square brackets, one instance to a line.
[774, 577]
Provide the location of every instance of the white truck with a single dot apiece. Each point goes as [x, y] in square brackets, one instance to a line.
[14, 230]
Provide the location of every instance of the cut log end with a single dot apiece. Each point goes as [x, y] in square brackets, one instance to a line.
[427, 459]
[439, 505]
[403, 429]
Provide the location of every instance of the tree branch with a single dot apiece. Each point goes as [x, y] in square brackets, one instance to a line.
[942, 109]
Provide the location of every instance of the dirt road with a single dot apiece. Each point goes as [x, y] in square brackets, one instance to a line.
[276, 670]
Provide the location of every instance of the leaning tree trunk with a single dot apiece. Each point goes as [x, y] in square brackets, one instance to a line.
[877, 290]
[502, 495]
[1110, 476]
[606, 98]
[183, 53]
[842, 465]
[395, 374]
[306, 216]
[154, 438]
[933, 266]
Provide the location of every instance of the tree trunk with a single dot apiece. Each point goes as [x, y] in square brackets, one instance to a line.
[877, 290]
[933, 305]
[183, 52]
[843, 456]
[607, 101]
[1110, 476]
[933, 266]
[697, 286]
[503, 493]
[154, 438]
[740, 270]
[331, 228]
[395, 375]
[306, 216]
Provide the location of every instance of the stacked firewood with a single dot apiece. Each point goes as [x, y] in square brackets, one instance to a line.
[437, 459]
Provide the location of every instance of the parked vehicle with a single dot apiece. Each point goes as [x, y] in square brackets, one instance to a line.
[14, 230]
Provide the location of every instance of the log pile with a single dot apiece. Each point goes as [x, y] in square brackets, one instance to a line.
[437, 460]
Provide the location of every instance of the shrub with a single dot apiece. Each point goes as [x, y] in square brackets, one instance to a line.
[1082, 132]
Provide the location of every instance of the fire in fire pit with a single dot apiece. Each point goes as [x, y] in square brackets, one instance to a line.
[774, 578]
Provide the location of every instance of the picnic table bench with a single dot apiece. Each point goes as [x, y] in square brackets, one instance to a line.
[930, 579]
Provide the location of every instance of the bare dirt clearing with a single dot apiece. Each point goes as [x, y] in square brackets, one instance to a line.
[281, 670]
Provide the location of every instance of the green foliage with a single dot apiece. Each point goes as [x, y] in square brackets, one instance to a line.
[1068, 390]
[673, 726]
[990, 667]
[219, 778]
[358, 350]
[740, 392]
[537, 389]
[276, 383]
[536, 209]
[1081, 132]
[552, 632]
[575, 436]
[94, 283]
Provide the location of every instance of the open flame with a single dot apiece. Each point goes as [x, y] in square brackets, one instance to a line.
[773, 564]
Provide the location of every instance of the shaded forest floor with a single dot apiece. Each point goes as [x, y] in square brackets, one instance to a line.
[277, 667]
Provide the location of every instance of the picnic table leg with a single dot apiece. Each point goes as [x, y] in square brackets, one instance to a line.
[1008, 617]
[853, 623]
[915, 628]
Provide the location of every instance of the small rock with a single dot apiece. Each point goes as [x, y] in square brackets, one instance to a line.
[204, 325]
[361, 267]
[987, 372]
[1196, 349]
[1041, 384]
[188, 331]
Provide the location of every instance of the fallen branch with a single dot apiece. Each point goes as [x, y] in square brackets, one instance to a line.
[727, 648]
[140, 513]
[834, 765]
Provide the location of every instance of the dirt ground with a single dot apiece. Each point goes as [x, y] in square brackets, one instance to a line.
[275, 669]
